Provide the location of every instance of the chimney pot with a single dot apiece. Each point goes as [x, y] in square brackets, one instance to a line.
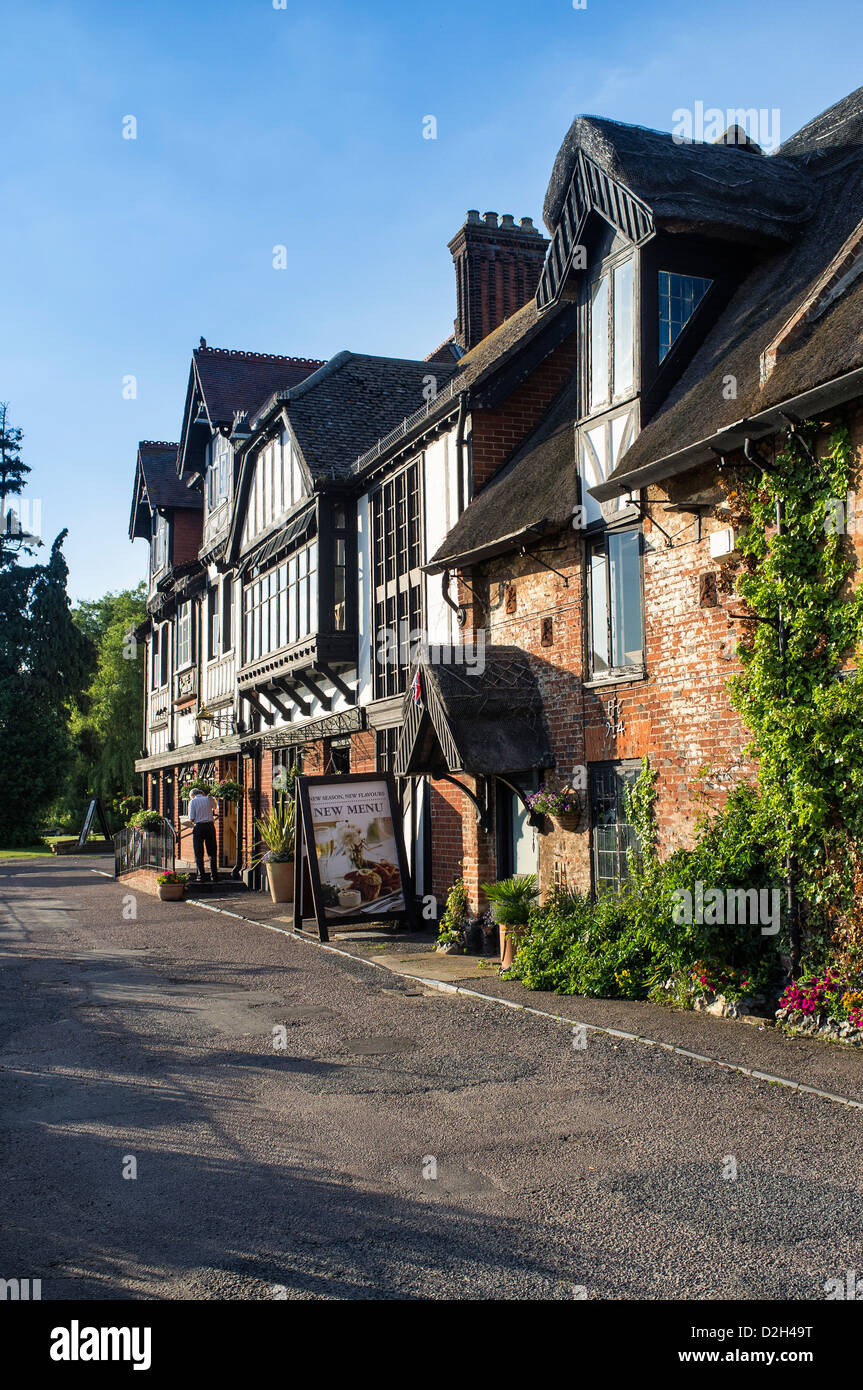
[495, 276]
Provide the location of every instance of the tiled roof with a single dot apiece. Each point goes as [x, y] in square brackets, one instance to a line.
[158, 461]
[232, 380]
[345, 407]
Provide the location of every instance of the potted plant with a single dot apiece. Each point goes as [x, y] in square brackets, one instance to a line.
[450, 938]
[276, 831]
[171, 886]
[147, 820]
[512, 899]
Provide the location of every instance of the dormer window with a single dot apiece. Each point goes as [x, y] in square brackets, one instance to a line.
[611, 370]
[679, 297]
[219, 473]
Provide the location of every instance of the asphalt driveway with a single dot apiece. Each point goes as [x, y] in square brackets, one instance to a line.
[301, 1124]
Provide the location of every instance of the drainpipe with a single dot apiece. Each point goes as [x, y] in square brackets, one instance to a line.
[782, 635]
[459, 451]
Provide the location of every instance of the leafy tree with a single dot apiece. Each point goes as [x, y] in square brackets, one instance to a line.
[44, 662]
[105, 722]
[13, 471]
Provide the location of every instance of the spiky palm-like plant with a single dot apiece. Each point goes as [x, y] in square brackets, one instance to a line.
[512, 898]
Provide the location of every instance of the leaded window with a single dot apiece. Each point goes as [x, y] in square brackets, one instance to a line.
[679, 297]
[613, 838]
[397, 528]
[281, 607]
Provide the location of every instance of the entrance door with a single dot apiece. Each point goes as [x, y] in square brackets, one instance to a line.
[229, 822]
[518, 843]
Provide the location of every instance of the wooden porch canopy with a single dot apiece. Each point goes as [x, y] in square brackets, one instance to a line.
[484, 719]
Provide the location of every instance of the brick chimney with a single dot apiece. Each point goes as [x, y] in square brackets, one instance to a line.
[497, 269]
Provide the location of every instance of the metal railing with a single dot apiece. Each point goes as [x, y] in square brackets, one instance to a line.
[135, 848]
[452, 388]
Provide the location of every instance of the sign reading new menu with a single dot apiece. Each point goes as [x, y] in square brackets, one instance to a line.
[350, 852]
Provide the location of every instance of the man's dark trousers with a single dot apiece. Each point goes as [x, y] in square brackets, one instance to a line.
[204, 837]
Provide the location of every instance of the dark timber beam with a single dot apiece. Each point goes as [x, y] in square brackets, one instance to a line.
[302, 705]
[316, 689]
[270, 694]
[349, 694]
[256, 704]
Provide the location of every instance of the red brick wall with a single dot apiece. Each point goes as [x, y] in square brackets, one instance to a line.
[363, 751]
[496, 433]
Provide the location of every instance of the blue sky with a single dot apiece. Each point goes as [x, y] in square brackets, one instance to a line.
[302, 127]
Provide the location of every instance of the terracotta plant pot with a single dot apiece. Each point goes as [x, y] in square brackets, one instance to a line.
[511, 934]
[280, 876]
[171, 892]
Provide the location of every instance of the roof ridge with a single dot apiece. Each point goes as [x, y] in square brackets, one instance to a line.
[158, 444]
[257, 356]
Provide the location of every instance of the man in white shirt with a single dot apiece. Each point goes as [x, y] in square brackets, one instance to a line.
[203, 810]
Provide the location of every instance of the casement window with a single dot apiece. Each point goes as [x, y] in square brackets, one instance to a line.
[220, 473]
[616, 627]
[339, 562]
[291, 760]
[213, 625]
[397, 529]
[227, 614]
[184, 636]
[281, 607]
[679, 297]
[611, 338]
[339, 760]
[160, 544]
[159, 656]
[613, 839]
[386, 745]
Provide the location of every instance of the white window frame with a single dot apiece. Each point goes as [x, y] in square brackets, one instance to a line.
[184, 636]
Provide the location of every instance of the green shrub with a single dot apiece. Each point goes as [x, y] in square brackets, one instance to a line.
[630, 945]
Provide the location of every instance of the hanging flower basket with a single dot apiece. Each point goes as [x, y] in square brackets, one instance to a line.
[564, 806]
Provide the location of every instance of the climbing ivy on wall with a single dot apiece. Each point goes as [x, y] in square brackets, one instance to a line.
[805, 708]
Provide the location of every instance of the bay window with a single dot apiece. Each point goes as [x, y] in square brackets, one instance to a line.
[281, 607]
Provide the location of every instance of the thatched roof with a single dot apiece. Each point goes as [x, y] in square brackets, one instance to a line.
[828, 346]
[811, 195]
[717, 188]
